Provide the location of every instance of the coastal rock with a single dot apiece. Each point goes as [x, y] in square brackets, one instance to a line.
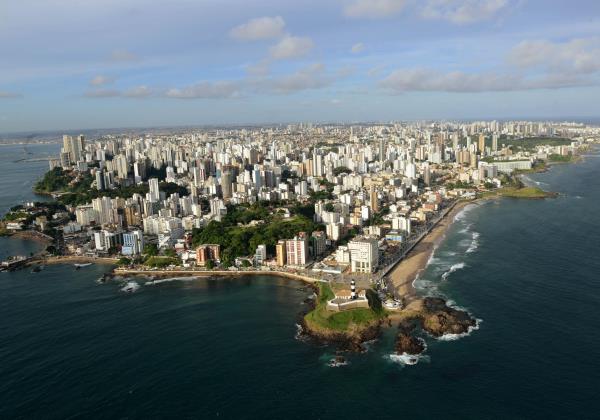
[439, 319]
[351, 340]
[406, 343]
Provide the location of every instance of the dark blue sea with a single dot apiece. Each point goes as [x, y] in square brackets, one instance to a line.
[529, 270]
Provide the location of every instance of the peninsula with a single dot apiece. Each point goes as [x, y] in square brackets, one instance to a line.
[355, 210]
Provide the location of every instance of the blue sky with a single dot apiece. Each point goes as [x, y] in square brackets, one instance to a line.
[69, 64]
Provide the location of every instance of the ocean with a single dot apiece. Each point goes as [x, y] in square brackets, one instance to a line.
[529, 270]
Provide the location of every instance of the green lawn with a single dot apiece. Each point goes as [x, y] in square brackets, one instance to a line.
[161, 262]
[321, 318]
[525, 192]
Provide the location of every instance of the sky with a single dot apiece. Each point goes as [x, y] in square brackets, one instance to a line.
[75, 64]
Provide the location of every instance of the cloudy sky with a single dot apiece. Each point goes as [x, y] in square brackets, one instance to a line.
[68, 64]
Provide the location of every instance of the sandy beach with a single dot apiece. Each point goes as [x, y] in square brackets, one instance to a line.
[415, 262]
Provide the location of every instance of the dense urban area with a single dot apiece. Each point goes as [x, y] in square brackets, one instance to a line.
[334, 203]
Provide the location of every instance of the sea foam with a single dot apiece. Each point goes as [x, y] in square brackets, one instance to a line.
[169, 280]
[453, 268]
[474, 243]
[406, 359]
[454, 337]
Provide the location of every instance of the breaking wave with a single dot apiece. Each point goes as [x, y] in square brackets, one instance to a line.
[406, 359]
[465, 210]
[299, 332]
[454, 337]
[474, 243]
[453, 268]
[169, 280]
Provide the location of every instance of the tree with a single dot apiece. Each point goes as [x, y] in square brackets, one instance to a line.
[151, 250]
[341, 170]
[210, 264]
[51, 249]
[123, 261]
[170, 252]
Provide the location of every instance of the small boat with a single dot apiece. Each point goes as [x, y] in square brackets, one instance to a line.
[130, 287]
[80, 266]
[37, 268]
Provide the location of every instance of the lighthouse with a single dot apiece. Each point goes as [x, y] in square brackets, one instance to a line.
[352, 290]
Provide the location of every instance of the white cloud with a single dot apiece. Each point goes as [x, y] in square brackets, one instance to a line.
[123, 55]
[374, 9]
[4, 94]
[219, 89]
[138, 92]
[375, 71]
[101, 80]
[577, 55]
[260, 69]
[427, 80]
[462, 11]
[134, 92]
[311, 77]
[291, 47]
[259, 28]
[356, 48]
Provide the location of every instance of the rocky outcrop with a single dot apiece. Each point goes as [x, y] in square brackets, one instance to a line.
[439, 319]
[434, 316]
[350, 340]
[409, 344]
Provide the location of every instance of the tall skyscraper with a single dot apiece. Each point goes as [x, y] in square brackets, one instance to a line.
[227, 184]
[154, 191]
[481, 145]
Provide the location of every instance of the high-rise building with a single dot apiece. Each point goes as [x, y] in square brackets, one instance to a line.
[481, 145]
[280, 253]
[154, 190]
[99, 180]
[227, 184]
[260, 255]
[318, 243]
[374, 200]
[208, 252]
[297, 250]
[133, 243]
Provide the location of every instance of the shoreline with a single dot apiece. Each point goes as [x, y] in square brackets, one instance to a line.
[212, 273]
[32, 235]
[415, 262]
[72, 259]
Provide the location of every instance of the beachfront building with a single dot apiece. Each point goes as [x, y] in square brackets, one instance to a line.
[280, 253]
[297, 250]
[260, 255]
[133, 243]
[208, 252]
[511, 165]
[364, 254]
[318, 243]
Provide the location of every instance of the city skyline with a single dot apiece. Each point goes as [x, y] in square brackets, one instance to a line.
[129, 64]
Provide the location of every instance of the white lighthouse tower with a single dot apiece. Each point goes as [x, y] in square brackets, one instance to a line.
[352, 290]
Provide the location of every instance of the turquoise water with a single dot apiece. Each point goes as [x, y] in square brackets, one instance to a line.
[71, 348]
